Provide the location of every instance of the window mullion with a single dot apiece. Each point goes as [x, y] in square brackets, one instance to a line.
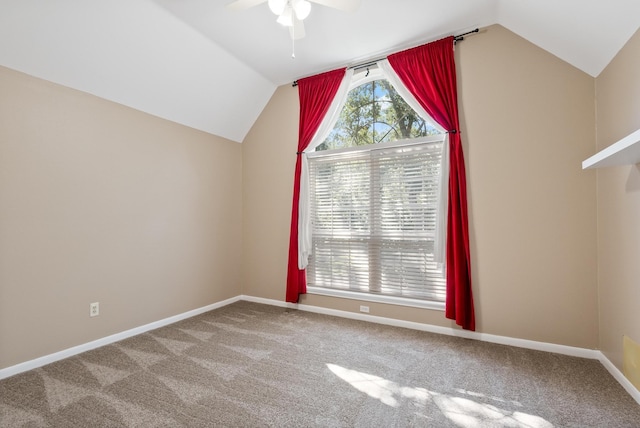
[375, 230]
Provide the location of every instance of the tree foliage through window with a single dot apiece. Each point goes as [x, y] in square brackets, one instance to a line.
[374, 113]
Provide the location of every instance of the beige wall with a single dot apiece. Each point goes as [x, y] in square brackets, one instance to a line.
[528, 121]
[268, 161]
[618, 114]
[99, 202]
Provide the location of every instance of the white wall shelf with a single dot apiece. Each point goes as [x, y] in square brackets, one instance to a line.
[623, 152]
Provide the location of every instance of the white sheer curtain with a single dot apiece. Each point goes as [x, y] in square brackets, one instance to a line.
[440, 250]
[304, 220]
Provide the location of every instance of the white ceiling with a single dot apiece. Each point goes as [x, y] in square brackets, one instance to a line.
[199, 64]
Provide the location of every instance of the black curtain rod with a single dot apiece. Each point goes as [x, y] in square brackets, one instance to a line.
[369, 63]
[460, 37]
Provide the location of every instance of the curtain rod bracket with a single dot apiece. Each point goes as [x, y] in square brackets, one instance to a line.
[460, 37]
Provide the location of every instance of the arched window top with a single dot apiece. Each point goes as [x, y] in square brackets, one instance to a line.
[374, 113]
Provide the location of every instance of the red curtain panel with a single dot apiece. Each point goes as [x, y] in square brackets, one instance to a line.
[316, 94]
[429, 73]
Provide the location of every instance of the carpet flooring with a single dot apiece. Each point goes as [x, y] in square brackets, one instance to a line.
[253, 365]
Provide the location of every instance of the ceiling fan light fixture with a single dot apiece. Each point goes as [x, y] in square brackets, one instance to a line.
[286, 17]
[277, 6]
[301, 8]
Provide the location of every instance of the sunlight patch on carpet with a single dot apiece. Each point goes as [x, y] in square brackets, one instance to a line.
[379, 388]
[462, 411]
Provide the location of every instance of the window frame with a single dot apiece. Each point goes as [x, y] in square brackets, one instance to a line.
[368, 296]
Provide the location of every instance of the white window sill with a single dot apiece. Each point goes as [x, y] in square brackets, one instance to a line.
[390, 300]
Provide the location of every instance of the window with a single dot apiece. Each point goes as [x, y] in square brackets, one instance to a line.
[374, 193]
[373, 113]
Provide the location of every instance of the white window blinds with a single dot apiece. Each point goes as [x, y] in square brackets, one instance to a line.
[373, 213]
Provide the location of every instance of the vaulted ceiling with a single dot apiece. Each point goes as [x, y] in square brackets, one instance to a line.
[200, 64]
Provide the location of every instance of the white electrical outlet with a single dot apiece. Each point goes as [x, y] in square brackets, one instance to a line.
[94, 309]
[364, 309]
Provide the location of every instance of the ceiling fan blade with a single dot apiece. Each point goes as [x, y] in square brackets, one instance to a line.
[297, 30]
[345, 5]
[244, 4]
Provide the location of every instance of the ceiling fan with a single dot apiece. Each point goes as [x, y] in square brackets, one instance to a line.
[291, 13]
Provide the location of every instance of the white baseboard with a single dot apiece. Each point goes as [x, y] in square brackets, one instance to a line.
[48, 359]
[503, 340]
[270, 302]
[620, 377]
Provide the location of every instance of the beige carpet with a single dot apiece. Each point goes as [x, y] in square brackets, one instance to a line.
[252, 365]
